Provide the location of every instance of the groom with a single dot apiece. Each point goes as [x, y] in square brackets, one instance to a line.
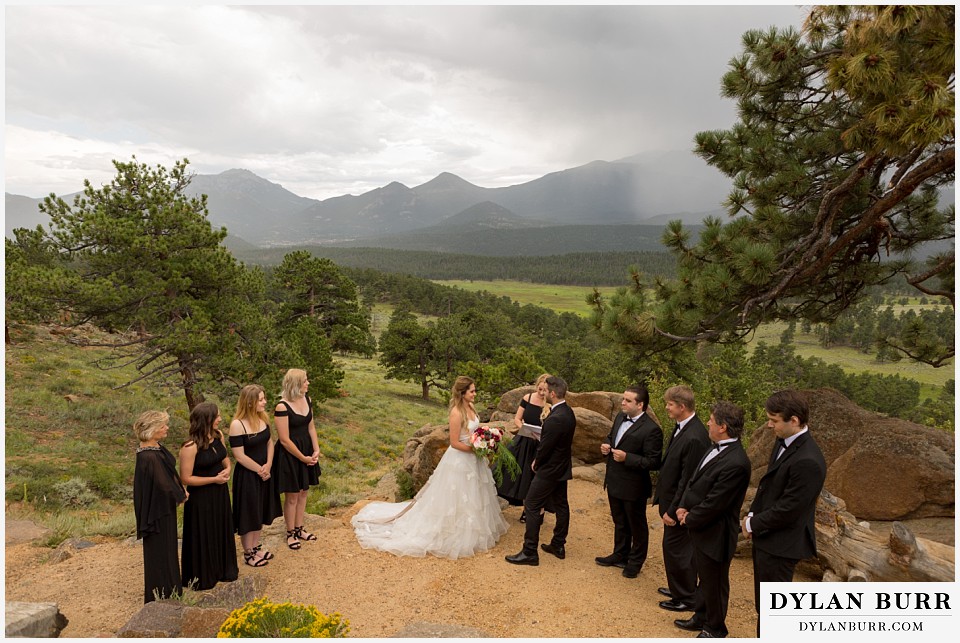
[552, 468]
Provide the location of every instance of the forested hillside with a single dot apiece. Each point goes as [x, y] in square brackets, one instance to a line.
[577, 269]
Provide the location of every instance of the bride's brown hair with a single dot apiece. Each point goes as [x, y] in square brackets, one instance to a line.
[460, 388]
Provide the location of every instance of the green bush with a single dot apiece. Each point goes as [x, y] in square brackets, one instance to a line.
[262, 619]
[75, 492]
[405, 490]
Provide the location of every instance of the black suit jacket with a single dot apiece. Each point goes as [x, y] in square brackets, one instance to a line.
[555, 449]
[630, 479]
[680, 460]
[713, 497]
[783, 509]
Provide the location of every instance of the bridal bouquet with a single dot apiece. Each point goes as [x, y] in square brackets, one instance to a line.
[488, 442]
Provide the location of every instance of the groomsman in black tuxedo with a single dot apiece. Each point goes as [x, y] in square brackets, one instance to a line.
[686, 447]
[633, 451]
[552, 467]
[710, 509]
[781, 517]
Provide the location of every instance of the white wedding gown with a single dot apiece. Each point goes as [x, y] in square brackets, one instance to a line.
[455, 514]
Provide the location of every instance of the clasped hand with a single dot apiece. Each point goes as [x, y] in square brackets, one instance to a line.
[682, 515]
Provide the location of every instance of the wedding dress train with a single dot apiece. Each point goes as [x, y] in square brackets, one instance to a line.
[455, 514]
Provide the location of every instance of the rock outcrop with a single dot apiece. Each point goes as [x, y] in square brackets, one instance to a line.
[33, 620]
[175, 619]
[884, 468]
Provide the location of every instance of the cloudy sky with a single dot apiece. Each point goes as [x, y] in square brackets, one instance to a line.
[329, 100]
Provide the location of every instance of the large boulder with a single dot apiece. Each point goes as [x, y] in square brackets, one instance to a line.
[884, 468]
[33, 620]
[592, 428]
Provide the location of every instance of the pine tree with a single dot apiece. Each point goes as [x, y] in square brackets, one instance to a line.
[845, 134]
[144, 261]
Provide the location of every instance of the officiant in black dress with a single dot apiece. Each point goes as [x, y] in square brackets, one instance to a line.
[524, 444]
[156, 493]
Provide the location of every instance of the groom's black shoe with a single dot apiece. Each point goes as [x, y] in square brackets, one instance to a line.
[523, 558]
[664, 592]
[676, 606]
[689, 624]
[610, 561]
[559, 552]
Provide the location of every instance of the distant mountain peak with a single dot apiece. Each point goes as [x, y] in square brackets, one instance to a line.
[446, 181]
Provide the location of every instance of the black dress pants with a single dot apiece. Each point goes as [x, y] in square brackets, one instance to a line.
[542, 493]
[713, 593]
[678, 563]
[631, 536]
[769, 568]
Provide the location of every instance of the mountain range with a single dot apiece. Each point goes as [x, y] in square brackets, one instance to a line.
[648, 188]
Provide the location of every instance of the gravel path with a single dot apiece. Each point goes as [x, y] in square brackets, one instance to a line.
[100, 588]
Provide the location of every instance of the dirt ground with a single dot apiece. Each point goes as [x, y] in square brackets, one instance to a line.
[100, 588]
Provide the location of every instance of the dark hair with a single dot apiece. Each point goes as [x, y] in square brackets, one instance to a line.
[643, 395]
[202, 418]
[558, 385]
[729, 415]
[788, 404]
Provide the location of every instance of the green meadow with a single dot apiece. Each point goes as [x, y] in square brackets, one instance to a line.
[562, 299]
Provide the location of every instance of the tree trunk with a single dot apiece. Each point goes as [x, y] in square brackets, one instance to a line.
[190, 391]
[851, 551]
[6, 332]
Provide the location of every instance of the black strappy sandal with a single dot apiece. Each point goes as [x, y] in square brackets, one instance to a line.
[251, 554]
[267, 555]
[304, 535]
[292, 533]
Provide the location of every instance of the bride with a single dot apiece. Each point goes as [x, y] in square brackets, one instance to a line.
[456, 513]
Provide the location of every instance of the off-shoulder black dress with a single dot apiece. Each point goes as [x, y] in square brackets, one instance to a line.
[209, 549]
[156, 494]
[290, 471]
[255, 502]
[524, 449]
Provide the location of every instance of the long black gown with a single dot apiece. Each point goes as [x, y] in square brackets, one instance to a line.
[256, 502]
[291, 473]
[524, 449]
[209, 549]
[156, 494]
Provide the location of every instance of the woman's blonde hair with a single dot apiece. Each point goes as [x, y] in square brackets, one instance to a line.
[247, 405]
[545, 411]
[292, 382]
[457, 401]
[148, 422]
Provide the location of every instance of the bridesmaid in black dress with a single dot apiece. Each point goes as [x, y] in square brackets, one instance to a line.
[209, 550]
[255, 499]
[525, 442]
[156, 493]
[297, 453]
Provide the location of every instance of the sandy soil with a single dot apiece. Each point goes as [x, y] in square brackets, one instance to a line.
[100, 588]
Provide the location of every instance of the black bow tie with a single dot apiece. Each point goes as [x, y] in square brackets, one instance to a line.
[627, 419]
[716, 445]
[781, 443]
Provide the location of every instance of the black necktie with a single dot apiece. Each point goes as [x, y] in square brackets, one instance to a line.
[776, 450]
